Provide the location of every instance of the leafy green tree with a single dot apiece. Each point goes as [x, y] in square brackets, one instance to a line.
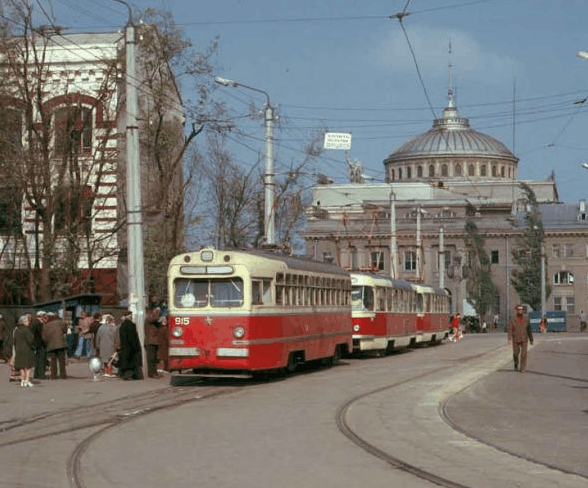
[526, 277]
[480, 288]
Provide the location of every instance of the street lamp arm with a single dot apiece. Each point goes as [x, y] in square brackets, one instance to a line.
[130, 11]
[235, 84]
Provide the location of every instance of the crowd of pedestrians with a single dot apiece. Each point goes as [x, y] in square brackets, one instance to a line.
[41, 346]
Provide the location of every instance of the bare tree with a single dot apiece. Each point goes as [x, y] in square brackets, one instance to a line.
[56, 163]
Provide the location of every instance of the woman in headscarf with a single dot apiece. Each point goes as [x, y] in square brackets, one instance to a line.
[24, 355]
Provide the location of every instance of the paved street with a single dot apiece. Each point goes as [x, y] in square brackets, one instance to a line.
[457, 410]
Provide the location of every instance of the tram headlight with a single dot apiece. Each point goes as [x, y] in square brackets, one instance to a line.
[177, 332]
[238, 332]
[356, 328]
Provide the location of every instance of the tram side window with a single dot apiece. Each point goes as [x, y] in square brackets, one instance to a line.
[381, 299]
[362, 298]
[226, 292]
[261, 292]
[190, 293]
[419, 304]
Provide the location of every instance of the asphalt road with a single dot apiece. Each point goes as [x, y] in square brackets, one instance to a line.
[457, 411]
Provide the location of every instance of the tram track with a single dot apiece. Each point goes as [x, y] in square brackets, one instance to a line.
[395, 461]
[102, 416]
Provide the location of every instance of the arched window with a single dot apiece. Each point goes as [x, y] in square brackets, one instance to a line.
[563, 278]
[483, 170]
[399, 173]
[471, 170]
[431, 171]
[393, 178]
[444, 171]
[494, 172]
[409, 172]
[420, 171]
[458, 169]
[73, 130]
[502, 171]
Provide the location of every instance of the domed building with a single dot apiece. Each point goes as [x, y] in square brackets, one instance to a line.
[412, 227]
[451, 149]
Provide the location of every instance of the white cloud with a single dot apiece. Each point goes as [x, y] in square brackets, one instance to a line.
[431, 47]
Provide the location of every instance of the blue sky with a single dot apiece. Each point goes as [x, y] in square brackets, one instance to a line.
[347, 66]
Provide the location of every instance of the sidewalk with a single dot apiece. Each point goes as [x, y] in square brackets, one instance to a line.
[538, 415]
[78, 390]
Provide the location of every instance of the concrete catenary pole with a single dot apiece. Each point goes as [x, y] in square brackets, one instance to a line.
[134, 206]
[393, 243]
[441, 258]
[268, 176]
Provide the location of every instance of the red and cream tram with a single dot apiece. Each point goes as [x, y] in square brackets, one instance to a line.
[432, 309]
[241, 312]
[388, 314]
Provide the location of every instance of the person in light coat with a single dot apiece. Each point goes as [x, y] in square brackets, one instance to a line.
[105, 340]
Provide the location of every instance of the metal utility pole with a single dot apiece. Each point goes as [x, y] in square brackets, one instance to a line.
[393, 244]
[543, 290]
[418, 245]
[268, 177]
[441, 258]
[136, 285]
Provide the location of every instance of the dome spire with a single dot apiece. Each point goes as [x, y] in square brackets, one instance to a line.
[450, 103]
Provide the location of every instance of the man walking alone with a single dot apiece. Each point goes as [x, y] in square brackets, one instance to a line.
[519, 333]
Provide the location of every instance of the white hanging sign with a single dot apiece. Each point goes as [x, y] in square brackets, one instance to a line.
[338, 140]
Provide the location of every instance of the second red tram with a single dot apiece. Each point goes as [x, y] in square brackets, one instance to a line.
[241, 312]
[388, 314]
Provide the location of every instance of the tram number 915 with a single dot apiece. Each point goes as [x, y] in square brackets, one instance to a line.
[182, 320]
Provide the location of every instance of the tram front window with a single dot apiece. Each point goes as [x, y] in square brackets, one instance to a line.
[362, 298]
[190, 293]
[226, 293]
[199, 293]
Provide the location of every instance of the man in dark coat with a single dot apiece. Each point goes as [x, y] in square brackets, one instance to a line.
[519, 333]
[152, 333]
[2, 336]
[130, 360]
[54, 337]
[37, 323]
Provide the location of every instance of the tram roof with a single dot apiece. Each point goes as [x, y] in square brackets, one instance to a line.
[293, 263]
[298, 263]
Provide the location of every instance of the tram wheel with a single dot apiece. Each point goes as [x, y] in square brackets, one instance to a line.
[337, 356]
[291, 366]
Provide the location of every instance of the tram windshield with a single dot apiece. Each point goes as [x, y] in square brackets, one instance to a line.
[362, 298]
[199, 293]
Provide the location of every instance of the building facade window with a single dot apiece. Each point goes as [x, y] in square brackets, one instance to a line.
[377, 260]
[409, 172]
[73, 131]
[563, 278]
[458, 169]
[568, 250]
[555, 251]
[74, 211]
[483, 170]
[431, 171]
[494, 257]
[444, 170]
[419, 171]
[565, 303]
[10, 212]
[471, 170]
[409, 260]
